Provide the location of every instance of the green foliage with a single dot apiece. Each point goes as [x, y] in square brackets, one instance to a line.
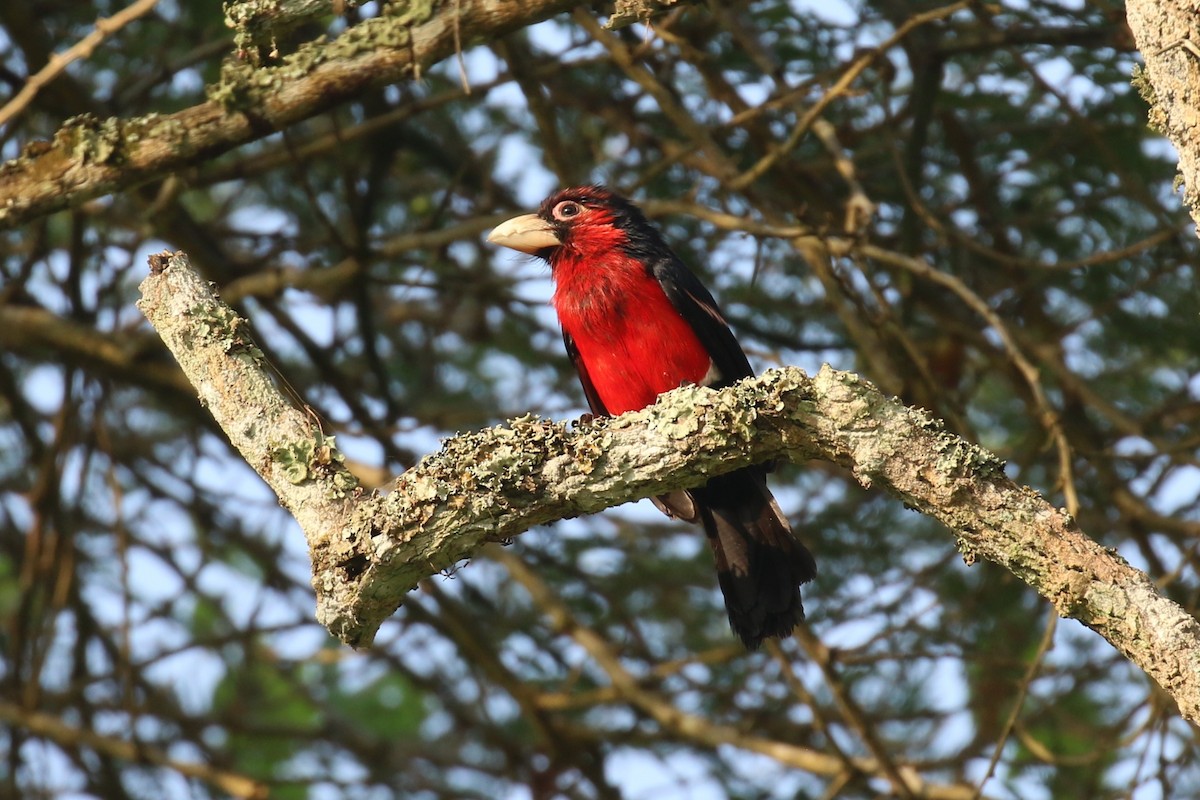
[280, 710]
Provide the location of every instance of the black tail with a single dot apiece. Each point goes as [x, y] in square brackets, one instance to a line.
[760, 564]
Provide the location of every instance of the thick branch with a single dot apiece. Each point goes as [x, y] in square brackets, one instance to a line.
[281, 442]
[1168, 36]
[369, 550]
[259, 22]
[89, 157]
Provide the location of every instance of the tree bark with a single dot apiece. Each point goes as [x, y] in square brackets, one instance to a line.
[1168, 36]
[368, 550]
[90, 157]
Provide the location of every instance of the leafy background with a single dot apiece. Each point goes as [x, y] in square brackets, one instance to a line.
[153, 593]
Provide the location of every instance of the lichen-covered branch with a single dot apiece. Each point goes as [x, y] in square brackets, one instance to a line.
[1167, 33]
[257, 23]
[627, 12]
[89, 157]
[368, 550]
[282, 443]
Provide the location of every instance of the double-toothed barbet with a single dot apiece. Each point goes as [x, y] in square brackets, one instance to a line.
[637, 323]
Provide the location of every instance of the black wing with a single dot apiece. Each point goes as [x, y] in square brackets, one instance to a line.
[697, 306]
[589, 388]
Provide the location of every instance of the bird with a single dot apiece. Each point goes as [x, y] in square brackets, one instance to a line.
[636, 322]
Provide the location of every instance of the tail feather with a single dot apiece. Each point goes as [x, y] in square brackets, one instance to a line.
[760, 563]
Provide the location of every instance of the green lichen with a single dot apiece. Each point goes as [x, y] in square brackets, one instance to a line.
[1156, 119]
[214, 324]
[328, 461]
[682, 416]
[93, 141]
[383, 32]
[243, 84]
[737, 415]
[680, 425]
[325, 452]
[484, 469]
[220, 325]
[586, 449]
[506, 458]
[969, 554]
[1140, 81]
[160, 128]
[312, 458]
[344, 483]
[294, 459]
[410, 12]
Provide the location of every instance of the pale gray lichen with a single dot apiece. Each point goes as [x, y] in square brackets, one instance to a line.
[955, 457]
[91, 140]
[243, 85]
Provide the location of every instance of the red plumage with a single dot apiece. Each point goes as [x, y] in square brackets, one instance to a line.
[636, 323]
[633, 342]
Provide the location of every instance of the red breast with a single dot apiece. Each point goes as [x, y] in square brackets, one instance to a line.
[632, 341]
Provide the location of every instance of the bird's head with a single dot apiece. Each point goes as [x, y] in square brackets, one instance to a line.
[581, 222]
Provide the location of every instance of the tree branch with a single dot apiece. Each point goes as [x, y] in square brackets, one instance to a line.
[1169, 40]
[28, 329]
[55, 729]
[89, 157]
[258, 23]
[368, 550]
[80, 50]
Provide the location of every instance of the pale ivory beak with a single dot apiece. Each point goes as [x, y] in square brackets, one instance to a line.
[528, 233]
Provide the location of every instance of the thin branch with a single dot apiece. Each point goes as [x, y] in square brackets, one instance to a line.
[50, 727]
[902, 785]
[690, 727]
[105, 27]
[839, 88]
[1049, 417]
[29, 329]
[369, 550]
[284, 444]
[1018, 702]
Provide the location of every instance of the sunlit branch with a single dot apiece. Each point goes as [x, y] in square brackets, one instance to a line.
[368, 550]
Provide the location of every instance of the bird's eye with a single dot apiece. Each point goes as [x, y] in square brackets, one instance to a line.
[566, 209]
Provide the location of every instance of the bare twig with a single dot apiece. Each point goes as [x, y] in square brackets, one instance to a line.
[691, 727]
[1035, 666]
[839, 88]
[55, 729]
[105, 27]
[1050, 418]
[902, 785]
